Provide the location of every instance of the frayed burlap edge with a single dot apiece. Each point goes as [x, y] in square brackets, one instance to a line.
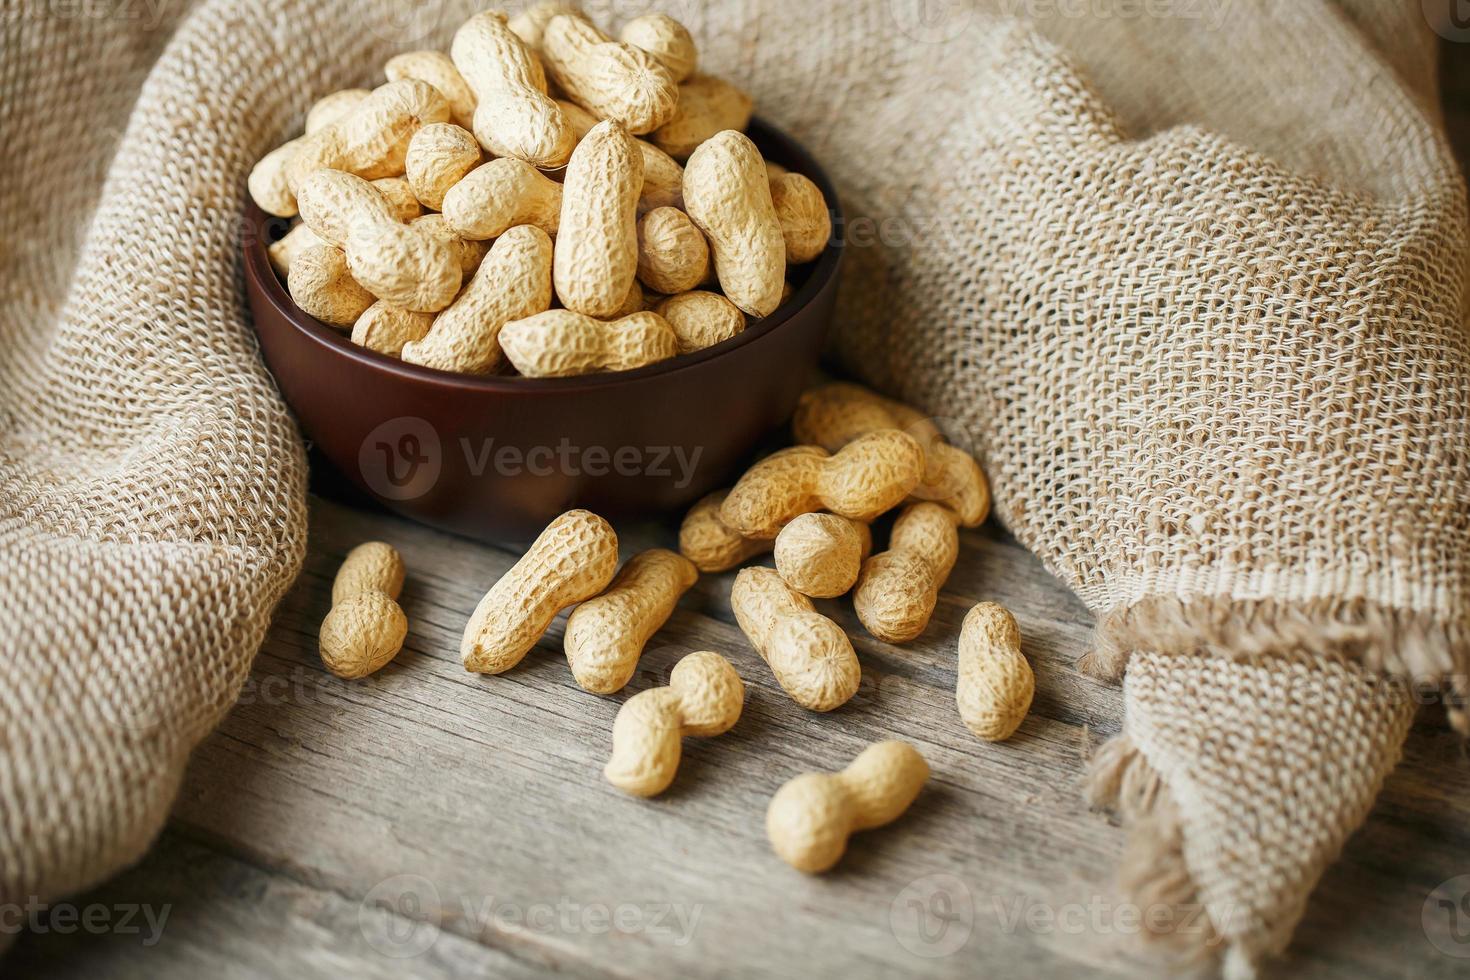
[1410, 646]
[1152, 871]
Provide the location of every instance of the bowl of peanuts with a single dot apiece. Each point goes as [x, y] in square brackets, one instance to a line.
[547, 269]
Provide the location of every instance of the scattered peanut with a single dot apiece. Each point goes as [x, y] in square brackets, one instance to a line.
[515, 117]
[499, 195]
[606, 634]
[707, 105]
[667, 40]
[386, 329]
[995, 684]
[321, 285]
[513, 281]
[898, 589]
[806, 224]
[820, 555]
[561, 343]
[700, 319]
[673, 256]
[704, 698]
[436, 68]
[439, 155]
[868, 476]
[597, 238]
[371, 140]
[811, 817]
[365, 628]
[572, 560]
[713, 547]
[610, 79]
[401, 265]
[727, 195]
[810, 656]
[832, 415]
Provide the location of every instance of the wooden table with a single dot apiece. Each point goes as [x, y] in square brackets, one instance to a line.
[326, 821]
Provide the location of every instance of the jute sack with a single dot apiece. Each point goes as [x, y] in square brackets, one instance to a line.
[1192, 286]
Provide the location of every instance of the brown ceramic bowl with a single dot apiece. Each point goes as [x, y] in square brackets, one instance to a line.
[497, 458]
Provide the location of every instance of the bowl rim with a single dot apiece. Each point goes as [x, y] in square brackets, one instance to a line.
[823, 270]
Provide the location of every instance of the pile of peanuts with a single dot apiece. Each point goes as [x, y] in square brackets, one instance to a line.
[494, 210]
[859, 455]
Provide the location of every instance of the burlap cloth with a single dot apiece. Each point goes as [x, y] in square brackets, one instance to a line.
[1190, 274]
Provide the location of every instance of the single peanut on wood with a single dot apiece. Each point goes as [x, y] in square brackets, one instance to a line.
[436, 68]
[439, 156]
[572, 560]
[898, 589]
[727, 195]
[513, 281]
[366, 627]
[321, 285]
[386, 329]
[868, 476]
[704, 698]
[995, 684]
[810, 656]
[515, 116]
[700, 319]
[806, 224]
[811, 817]
[673, 256]
[372, 139]
[610, 79]
[597, 238]
[606, 634]
[398, 264]
[663, 177]
[707, 105]
[820, 555]
[499, 195]
[833, 414]
[705, 540]
[666, 39]
[561, 343]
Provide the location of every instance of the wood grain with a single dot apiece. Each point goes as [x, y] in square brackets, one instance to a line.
[329, 825]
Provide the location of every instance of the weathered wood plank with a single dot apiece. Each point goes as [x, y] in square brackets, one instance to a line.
[490, 790]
